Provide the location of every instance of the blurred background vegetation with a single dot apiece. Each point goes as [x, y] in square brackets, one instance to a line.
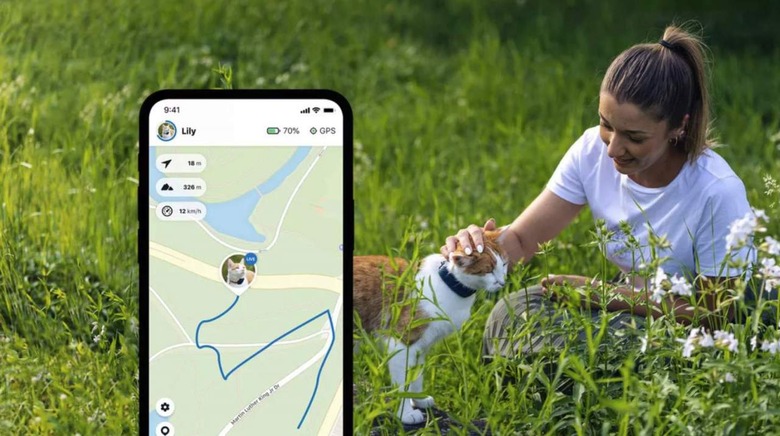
[462, 110]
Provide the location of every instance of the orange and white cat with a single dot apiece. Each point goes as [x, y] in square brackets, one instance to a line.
[445, 291]
[238, 274]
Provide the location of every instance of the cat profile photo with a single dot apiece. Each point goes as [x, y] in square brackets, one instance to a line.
[236, 273]
[166, 131]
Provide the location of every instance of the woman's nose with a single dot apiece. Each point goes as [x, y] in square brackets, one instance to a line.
[614, 146]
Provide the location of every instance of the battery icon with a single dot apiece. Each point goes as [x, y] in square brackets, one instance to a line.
[272, 130]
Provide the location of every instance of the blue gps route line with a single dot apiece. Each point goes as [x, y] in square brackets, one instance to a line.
[219, 356]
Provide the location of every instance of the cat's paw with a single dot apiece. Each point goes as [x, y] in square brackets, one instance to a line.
[423, 403]
[412, 417]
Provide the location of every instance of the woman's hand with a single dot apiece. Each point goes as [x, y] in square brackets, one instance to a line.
[551, 281]
[559, 280]
[469, 238]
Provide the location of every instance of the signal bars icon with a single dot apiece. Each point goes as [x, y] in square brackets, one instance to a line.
[309, 109]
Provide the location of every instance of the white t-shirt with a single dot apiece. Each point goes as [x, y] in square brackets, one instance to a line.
[694, 211]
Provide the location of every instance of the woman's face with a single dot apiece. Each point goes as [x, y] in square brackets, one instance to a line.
[638, 144]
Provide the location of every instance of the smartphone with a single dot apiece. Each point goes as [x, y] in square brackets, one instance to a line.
[245, 238]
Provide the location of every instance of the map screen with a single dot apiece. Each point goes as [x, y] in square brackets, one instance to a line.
[245, 267]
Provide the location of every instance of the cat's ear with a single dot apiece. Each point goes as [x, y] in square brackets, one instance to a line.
[230, 263]
[461, 260]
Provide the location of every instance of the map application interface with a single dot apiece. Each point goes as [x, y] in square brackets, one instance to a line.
[245, 267]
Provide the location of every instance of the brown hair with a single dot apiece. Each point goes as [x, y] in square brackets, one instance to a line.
[667, 81]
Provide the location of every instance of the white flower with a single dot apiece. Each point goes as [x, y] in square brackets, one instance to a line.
[739, 231]
[97, 338]
[754, 342]
[706, 340]
[658, 282]
[643, 339]
[657, 295]
[772, 347]
[680, 286]
[772, 246]
[771, 273]
[689, 344]
[728, 377]
[725, 339]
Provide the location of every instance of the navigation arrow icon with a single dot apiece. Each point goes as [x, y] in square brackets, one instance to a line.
[167, 162]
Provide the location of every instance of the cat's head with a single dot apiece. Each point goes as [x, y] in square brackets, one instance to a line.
[486, 270]
[236, 270]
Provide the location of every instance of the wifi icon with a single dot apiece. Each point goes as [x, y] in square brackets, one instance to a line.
[315, 109]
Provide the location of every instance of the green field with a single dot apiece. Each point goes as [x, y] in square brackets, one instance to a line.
[462, 110]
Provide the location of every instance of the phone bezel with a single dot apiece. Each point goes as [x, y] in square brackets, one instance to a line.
[143, 219]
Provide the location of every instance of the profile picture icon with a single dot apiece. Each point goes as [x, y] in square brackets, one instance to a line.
[237, 271]
[166, 131]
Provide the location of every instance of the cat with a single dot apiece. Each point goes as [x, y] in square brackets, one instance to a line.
[166, 132]
[238, 274]
[445, 291]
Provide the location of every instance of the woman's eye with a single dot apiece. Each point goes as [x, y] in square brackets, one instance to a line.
[605, 126]
[635, 141]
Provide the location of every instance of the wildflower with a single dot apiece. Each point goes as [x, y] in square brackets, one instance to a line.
[771, 246]
[772, 347]
[680, 286]
[741, 229]
[700, 337]
[706, 340]
[643, 339]
[771, 273]
[728, 377]
[725, 339]
[63, 396]
[689, 344]
[97, 338]
[658, 285]
[754, 342]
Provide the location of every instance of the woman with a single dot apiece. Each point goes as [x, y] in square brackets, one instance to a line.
[647, 164]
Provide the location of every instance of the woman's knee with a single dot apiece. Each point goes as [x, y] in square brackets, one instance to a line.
[514, 304]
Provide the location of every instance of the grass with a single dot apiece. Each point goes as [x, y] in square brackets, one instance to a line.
[462, 111]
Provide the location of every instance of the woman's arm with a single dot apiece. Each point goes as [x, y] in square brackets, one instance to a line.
[709, 291]
[540, 222]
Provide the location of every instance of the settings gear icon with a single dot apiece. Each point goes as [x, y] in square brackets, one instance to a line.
[165, 407]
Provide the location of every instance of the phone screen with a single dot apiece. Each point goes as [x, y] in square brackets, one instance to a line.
[245, 239]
